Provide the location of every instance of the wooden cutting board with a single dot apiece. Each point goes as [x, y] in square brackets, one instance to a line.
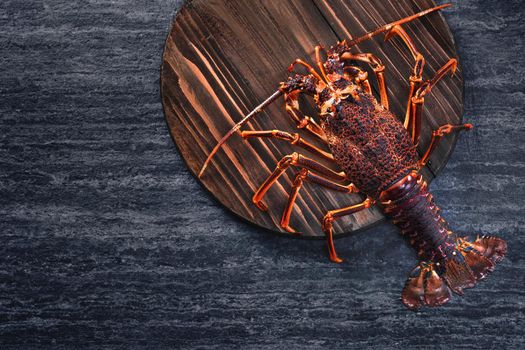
[223, 57]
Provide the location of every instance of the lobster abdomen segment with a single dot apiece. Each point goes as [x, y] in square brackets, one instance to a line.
[411, 207]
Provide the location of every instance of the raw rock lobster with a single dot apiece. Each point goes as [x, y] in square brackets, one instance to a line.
[377, 156]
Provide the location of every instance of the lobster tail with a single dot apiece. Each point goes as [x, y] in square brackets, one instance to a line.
[414, 290]
[479, 264]
[425, 287]
[493, 248]
[483, 254]
[436, 290]
[448, 263]
[458, 274]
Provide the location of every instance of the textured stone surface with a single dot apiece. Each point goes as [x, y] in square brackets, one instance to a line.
[107, 241]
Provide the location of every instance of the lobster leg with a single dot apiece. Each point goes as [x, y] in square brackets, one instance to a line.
[310, 69]
[415, 79]
[307, 175]
[379, 70]
[360, 76]
[437, 135]
[298, 160]
[418, 100]
[333, 215]
[319, 62]
[294, 139]
[302, 121]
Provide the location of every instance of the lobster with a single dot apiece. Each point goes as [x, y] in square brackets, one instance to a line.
[377, 157]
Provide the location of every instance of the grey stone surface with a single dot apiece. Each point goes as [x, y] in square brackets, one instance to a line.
[107, 241]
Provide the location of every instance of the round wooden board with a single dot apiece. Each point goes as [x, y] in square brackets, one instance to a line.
[223, 57]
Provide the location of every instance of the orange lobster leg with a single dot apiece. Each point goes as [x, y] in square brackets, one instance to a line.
[416, 78]
[333, 215]
[437, 135]
[302, 121]
[417, 102]
[379, 70]
[360, 76]
[319, 62]
[311, 70]
[300, 161]
[306, 175]
[294, 139]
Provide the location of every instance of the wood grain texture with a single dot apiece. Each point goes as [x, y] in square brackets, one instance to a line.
[108, 241]
[222, 58]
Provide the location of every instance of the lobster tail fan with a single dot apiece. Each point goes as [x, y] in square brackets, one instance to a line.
[482, 254]
[480, 265]
[458, 274]
[414, 291]
[472, 262]
[436, 290]
[425, 287]
[493, 248]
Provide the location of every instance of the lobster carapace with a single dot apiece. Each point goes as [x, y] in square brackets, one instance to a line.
[376, 156]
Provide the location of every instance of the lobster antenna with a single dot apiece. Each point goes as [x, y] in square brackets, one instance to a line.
[237, 126]
[389, 26]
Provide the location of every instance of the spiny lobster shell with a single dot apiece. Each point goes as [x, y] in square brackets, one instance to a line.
[370, 144]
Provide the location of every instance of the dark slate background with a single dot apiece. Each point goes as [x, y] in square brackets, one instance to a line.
[107, 241]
